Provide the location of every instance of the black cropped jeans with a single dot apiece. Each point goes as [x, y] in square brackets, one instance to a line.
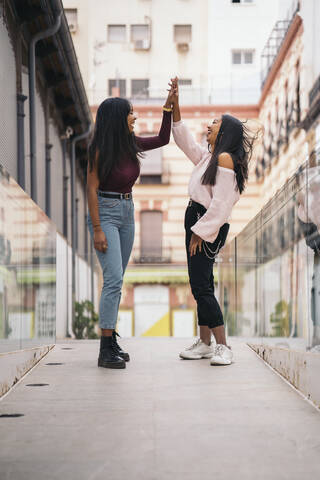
[200, 268]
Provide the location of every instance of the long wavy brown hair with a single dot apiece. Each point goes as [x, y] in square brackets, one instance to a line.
[235, 138]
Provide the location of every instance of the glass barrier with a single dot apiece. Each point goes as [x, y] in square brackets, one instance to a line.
[272, 291]
[27, 270]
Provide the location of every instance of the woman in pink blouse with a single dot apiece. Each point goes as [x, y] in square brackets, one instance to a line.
[216, 183]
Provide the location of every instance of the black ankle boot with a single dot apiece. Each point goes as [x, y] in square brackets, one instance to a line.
[108, 356]
[119, 350]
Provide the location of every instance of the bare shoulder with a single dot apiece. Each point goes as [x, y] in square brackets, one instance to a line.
[225, 160]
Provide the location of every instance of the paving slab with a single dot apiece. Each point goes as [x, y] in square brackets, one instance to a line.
[161, 418]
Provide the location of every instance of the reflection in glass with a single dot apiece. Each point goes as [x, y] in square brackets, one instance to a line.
[27, 270]
[274, 289]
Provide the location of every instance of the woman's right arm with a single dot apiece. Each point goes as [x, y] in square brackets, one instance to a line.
[99, 238]
[181, 134]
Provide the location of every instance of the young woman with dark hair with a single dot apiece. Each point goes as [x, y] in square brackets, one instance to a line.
[216, 183]
[113, 168]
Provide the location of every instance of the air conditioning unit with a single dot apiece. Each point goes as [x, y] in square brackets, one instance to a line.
[73, 28]
[183, 47]
[142, 44]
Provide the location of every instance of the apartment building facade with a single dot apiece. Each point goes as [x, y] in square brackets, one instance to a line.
[288, 106]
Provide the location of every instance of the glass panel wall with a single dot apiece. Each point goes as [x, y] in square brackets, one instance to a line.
[273, 289]
[27, 270]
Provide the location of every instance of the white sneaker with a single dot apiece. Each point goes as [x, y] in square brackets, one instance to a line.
[198, 350]
[222, 355]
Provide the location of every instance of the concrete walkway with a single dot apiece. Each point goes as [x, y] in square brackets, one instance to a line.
[160, 419]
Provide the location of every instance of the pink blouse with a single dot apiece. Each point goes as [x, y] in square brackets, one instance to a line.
[218, 199]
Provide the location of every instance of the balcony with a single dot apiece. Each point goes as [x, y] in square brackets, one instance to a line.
[152, 256]
[275, 41]
[162, 178]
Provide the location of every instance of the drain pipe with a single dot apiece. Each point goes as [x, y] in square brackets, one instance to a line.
[87, 251]
[73, 213]
[32, 93]
[21, 165]
[92, 273]
[64, 139]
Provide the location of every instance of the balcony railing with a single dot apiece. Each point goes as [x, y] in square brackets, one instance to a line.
[277, 36]
[152, 256]
[162, 178]
[315, 91]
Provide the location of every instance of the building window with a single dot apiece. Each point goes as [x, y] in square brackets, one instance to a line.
[116, 33]
[242, 57]
[182, 33]
[140, 88]
[185, 82]
[117, 88]
[140, 36]
[151, 235]
[242, 1]
[72, 18]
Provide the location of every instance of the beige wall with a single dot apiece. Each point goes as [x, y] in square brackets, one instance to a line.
[287, 158]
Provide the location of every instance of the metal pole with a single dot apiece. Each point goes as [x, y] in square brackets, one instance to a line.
[92, 273]
[21, 165]
[91, 252]
[32, 94]
[65, 179]
[48, 179]
[73, 212]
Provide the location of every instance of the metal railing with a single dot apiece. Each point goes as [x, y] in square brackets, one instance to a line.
[275, 40]
[152, 256]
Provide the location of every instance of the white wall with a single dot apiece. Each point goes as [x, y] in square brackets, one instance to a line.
[310, 13]
[64, 286]
[218, 26]
[237, 26]
[159, 63]
[8, 104]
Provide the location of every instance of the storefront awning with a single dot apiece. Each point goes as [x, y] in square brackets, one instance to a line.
[156, 275]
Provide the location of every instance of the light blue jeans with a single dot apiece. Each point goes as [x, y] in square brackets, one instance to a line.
[117, 223]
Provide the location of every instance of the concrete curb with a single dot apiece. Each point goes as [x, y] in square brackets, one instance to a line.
[301, 369]
[14, 365]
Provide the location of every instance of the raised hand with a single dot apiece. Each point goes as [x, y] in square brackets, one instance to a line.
[174, 91]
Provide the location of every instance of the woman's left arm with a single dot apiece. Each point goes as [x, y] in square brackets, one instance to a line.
[163, 138]
[223, 199]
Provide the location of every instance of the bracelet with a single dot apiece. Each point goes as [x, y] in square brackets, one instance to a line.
[98, 225]
[165, 109]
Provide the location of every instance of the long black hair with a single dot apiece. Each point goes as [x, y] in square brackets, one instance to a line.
[233, 138]
[112, 138]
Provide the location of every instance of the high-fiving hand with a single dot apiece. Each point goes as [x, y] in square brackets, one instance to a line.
[174, 90]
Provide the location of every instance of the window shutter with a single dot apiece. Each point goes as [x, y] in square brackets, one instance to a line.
[151, 234]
